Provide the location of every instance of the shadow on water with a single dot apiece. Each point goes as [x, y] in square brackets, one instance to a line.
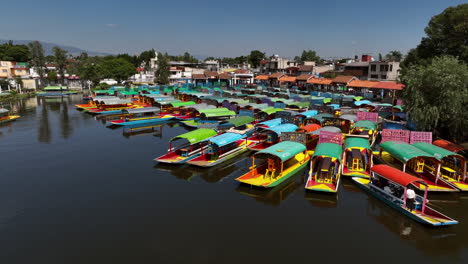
[273, 196]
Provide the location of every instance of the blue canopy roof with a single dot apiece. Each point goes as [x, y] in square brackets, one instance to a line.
[335, 106]
[309, 113]
[225, 139]
[283, 128]
[358, 103]
[271, 123]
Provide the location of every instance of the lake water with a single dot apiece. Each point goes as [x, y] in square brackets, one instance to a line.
[74, 191]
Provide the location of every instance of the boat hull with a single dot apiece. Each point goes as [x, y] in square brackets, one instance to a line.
[9, 119]
[202, 162]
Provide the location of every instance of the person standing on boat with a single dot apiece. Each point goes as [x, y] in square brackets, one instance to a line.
[410, 198]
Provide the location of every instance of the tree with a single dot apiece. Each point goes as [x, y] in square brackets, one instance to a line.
[380, 57]
[145, 58]
[255, 57]
[60, 56]
[446, 35]
[116, 68]
[394, 55]
[162, 73]
[11, 52]
[436, 96]
[52, 77]
[309, 55]
[37, 59]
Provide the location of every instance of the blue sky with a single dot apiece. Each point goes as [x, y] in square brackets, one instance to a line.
[340, 28]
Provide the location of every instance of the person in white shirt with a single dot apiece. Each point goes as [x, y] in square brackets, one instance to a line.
[410, 198]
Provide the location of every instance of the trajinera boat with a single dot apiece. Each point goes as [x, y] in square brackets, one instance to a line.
[270, 136]
[5, 116]
[278, 163]
[357, 157]
[221, 148]
[366, 129]
[410, 159]
[325, 168]
[139, 117]
[397, 182]
[191, 146]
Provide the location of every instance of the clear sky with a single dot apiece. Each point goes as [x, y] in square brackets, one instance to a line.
[340, 28]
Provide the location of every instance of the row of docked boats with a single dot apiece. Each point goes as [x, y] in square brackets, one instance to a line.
[330, 142]
[6, 116]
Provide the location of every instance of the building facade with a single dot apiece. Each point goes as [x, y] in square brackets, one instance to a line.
[384, 71]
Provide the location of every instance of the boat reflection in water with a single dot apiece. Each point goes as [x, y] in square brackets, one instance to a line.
[322, 200]
[157, 131]
[276, 195]
[210, 175]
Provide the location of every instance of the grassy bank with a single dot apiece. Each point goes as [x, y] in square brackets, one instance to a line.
[11, 97]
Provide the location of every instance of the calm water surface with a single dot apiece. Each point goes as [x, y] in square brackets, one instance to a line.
[74, 191]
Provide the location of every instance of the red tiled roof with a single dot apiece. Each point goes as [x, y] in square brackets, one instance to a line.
[262, 77]
[211, 75]
[389, 85]
[361, 84]
[320, 81]
[276, 75]
[304, 77]
[241, 71]
[224, 76]
[306, 68]
[343, 79]
[287, 79]
[198, 76]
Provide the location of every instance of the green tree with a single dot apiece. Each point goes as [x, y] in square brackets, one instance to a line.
[380, 57]
[309, 55]
[255, 57]
[37, 59]
[11, 52]
[394, 55]
[60, 56]
[162, 73]
[52, 77]
[117, 68]
[145, 58]
[436, 96]
[447, 34]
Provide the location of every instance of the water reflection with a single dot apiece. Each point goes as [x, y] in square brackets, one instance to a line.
[44, 133]
[273, 196]
[65, 125]
[322, 200]
[156, 131]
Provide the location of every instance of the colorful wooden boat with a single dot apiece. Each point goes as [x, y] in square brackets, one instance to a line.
[452, 165]
[95, 101]
[139, 117]
[270, 136]
[415, 161]
[398, 182]
[367, 129]
[357, 157]
[6, 117]
[221, 148]
[278, 163]
[214, 116]
[54, 91]
[301, 117]
[325, 168]
[450, 146]
[191, 147]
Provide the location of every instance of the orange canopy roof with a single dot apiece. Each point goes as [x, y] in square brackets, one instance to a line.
[362, 84]
[309, 128]
[319, 81]
[389, 85]
[287, 79]
[262, 77]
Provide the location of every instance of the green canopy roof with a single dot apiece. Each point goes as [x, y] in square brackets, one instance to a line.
[327, 100]
[403, 151]
[357, 142]
[437, 152]
[196, 135]
[213, 110]
[328, 149]
[178, 104]
[283, 150]
[55, 88]
[239, 121]
[272, 110]
[128, 92]
[371, 125]
[300, 104]
[219, 113]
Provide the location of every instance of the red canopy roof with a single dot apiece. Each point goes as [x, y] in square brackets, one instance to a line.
[309, 128]
[448, 145]
[389, 85]
[396, 175]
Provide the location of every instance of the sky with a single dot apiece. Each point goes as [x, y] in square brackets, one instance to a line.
[333, 28]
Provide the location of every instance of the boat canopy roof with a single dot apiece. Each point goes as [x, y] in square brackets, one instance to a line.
[141, 110]
[116, 101]
[284, 150]
[361, 102]
[329, 150]
[283, 128]
[438, 152]
[371, 125]
[128, 92]
[239, 121]
[104, 97]
[448, 145]
[210, 110]
[201, 106]
[196, 136]
[327, 129]
[255, 106]
[272, 110]
[351, 118]
[103, 91]
[225, 139]
[55, 88]
[320, 117]
[218, 113]
[179, 104]
[403, 151]
[299, 104]
[309, 128]
[3, 110]
[396, 175]
[357, 142]
[271, 123]
[168, 102]
[309, 113]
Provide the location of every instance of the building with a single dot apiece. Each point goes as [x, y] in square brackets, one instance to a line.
[384, 70]
[359, 69]
[276, 64]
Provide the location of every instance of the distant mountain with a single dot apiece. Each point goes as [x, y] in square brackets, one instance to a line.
[48, 48]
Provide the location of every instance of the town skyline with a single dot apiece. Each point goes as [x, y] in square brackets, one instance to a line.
[333, 29]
